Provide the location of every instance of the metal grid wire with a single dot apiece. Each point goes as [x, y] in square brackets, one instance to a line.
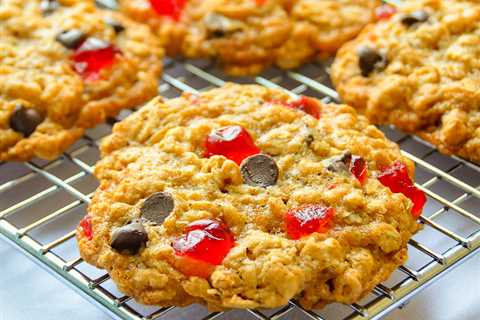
[42, 202]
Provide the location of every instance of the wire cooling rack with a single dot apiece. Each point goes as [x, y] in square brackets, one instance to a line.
[42, 202]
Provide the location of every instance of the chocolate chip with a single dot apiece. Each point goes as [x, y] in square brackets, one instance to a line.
[339, 163]
[370, 59]
[71, 39]
[415, 17]
[115, 24]
[309, 139]
[220, 26]
[129, 238]
[259, 171]
[107, 4]
[330, 284]
[25, 120]
[217, 34]
[92, 44]
[48, 6]
[157, 207]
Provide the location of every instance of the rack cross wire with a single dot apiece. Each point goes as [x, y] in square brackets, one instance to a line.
[41, 203]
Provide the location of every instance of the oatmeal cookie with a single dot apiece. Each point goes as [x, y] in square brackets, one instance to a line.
[168, 22]
[241, 197]
[66, 68]
[321, 27]
[242, 34]
[248, 35]
[419, 70]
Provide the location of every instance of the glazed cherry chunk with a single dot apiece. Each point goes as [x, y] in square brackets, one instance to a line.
[302, 221]
[308, 105]
[346, 161]
[168, 8]
[92, 56]
[204, 245]
[233, 142]
[385, 12]
[358, 167]
[86, 225]
[396, 178]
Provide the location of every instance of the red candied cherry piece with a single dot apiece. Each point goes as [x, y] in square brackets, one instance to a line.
[385, 12]
[302, 221]
[358, 167]
[86, 225]
[307, 105]
[396, 178]
[233, 142]
[205, 243]
[92, 56]
[169, 8]
[418, 198]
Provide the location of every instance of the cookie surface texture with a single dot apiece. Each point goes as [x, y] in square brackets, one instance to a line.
[275, 223]
[68, 69]
[419, 70]
[246, 36]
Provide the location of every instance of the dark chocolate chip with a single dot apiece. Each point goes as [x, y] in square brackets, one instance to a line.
[309, 139]
[218, 34]
[157, 207]
[370, 59]
[115, 24]
[220, 26]
[71, 39]
[107, 4]
[48, 6]
[339, 163]
[25, 120]
[259, 171]
[130, 238]
[330, 285]
[415, 17]
[92, 44]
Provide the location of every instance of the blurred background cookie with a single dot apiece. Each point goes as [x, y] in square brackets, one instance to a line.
[66, 67]
[419, 70]
[246, 36]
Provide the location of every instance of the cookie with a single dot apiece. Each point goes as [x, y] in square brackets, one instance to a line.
[167, 21]
[241, 197]
[321, 27]
[248, 35]
[419, 71]
[66, 69]
[242, 35]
